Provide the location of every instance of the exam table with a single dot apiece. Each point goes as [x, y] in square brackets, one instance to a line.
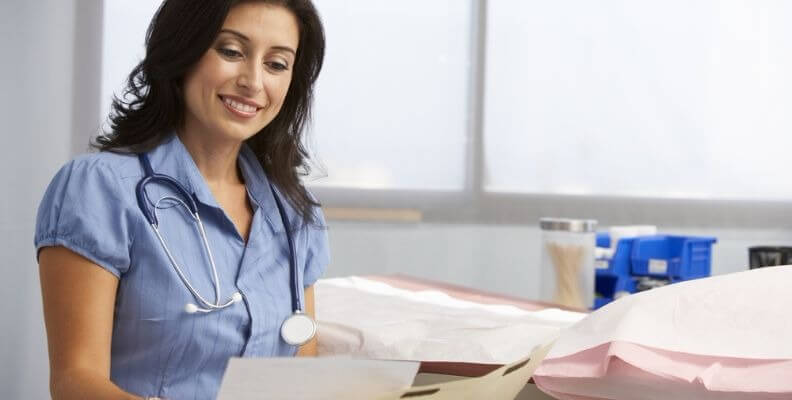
[723, 337]
[433, 370]
[440, 371]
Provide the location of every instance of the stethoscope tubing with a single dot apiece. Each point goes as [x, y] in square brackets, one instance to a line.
[191, 206]
[292, 253]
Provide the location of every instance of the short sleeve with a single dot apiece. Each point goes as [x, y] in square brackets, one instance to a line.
[318, 249]
[83, 210]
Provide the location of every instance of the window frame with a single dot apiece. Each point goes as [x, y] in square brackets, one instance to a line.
[474, 205]
[471, 205]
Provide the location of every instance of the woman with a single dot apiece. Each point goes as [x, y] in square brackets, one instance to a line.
[143, 298]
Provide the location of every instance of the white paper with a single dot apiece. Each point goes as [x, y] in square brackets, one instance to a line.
[314, 378]
[742, 315]
[371, 319]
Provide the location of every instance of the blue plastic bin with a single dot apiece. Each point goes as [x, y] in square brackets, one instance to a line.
[601, 301]
[617, 276]
[674, 257]
[603, 239]
[608, 286]
[619, 264]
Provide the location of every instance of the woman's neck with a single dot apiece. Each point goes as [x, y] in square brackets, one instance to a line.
[215, 159]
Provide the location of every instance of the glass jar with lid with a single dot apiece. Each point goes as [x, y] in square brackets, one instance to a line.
[567, 267]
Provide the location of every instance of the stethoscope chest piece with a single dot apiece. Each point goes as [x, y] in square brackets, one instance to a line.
[298, 329]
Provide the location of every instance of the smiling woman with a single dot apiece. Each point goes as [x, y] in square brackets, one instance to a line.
[238, 87]
[194, 190]
[179, 41]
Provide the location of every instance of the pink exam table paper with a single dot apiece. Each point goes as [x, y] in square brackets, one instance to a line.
[742, 315]
[726, 337]
[630, 371]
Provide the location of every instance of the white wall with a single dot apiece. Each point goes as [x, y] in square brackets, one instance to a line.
[36, 106]
[502, 259]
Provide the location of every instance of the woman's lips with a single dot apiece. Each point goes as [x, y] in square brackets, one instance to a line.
[239, 107]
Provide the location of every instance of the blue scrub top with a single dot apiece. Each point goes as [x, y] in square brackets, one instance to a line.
[157, 348]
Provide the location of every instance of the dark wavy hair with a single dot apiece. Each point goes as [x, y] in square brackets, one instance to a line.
[152, 105]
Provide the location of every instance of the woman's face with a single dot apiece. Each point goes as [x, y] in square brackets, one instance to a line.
[239, 84]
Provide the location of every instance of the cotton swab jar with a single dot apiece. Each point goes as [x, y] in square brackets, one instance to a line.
[567, 268]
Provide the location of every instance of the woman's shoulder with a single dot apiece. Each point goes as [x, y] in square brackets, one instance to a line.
[317, 217]
[106, 162]
[86, 209]
[102, 175]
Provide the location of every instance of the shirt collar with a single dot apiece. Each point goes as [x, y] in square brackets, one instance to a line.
[262, 192]
[172, 158]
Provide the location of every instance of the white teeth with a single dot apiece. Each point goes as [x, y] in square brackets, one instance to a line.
[239, 106]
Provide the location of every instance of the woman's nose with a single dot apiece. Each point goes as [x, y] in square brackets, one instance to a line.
[251, 77]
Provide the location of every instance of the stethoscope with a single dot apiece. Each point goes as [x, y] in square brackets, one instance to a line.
[296, 330]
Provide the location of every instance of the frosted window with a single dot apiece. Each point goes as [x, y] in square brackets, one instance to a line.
[392, 100]
[671, 99]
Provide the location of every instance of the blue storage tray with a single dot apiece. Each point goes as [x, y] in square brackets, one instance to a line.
[674, 257]
[600, 301]
[607, 286]
[619, 264]
[603, 239]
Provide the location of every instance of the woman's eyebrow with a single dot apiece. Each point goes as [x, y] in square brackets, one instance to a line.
[247, 39]
[285, 48]
[235, 33]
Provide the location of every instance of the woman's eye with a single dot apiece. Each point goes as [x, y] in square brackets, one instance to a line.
[229, 53]
[277, 66]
